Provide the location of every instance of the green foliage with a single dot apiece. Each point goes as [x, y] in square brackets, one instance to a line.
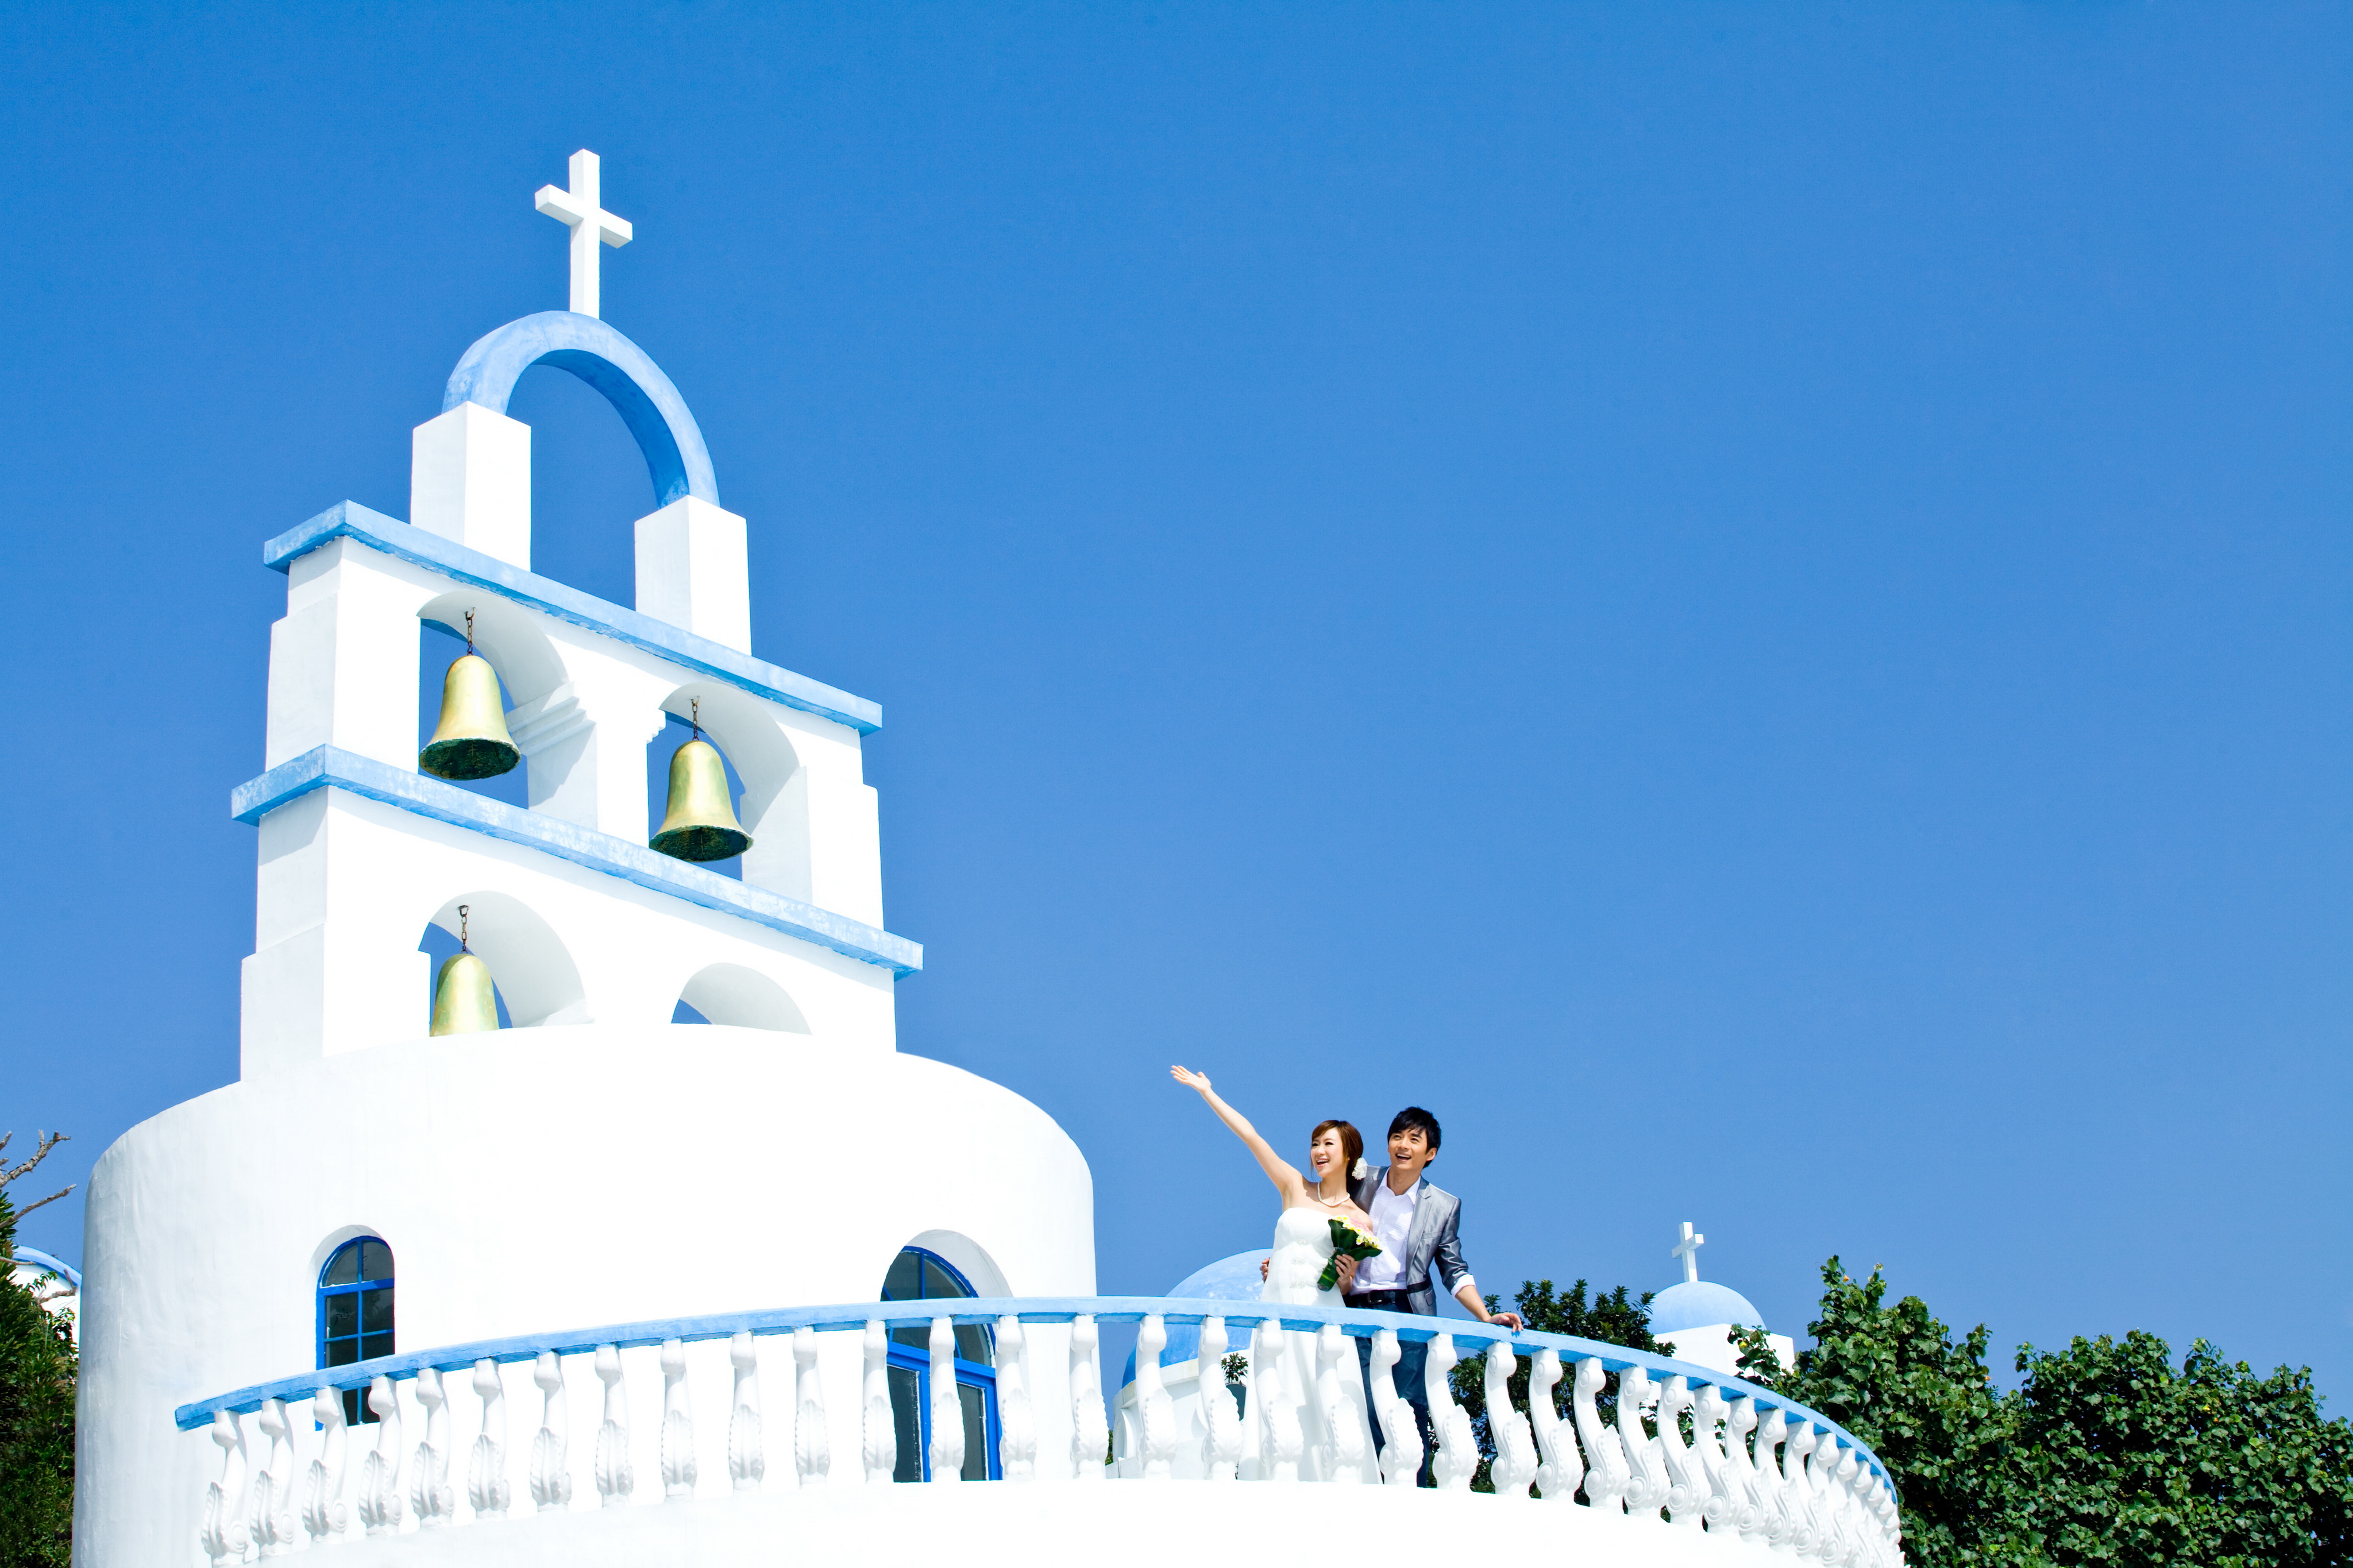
[2107, 1455]
[1615, 1318]
[37, 1412]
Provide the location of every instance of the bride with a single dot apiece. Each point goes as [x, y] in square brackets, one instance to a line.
[1303, 1248]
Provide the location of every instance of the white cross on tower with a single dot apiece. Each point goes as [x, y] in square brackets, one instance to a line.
[589, 223]
[1688, 1250]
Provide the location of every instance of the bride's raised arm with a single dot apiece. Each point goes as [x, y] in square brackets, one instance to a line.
[1287, 1181]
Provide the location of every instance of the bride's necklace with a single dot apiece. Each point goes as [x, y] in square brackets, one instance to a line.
[1327, 1202]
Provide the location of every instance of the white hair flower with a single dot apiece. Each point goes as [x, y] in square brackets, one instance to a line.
[1360, 1170]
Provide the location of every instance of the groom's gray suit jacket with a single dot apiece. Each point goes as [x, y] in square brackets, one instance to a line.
[1434, 1239]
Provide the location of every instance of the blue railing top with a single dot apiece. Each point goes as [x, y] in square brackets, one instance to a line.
[1470, 1340]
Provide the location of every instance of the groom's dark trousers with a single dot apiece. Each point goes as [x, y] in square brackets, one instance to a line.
[1434, 1245]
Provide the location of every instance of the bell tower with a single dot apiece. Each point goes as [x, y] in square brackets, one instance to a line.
[578, 915]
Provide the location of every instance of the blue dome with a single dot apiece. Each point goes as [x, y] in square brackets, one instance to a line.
[1696, 1304]
[1231, 1278]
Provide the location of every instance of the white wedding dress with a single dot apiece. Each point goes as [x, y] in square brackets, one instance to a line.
[1325, 1410]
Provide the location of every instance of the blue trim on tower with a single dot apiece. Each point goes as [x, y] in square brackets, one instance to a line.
[329, 767]
[349, 520]
[648, 403]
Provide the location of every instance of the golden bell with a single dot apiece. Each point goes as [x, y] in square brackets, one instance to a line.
[463, 1001]
[701, 823]
[471, 741]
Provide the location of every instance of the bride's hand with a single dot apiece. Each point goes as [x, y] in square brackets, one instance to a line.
[1190, 1079]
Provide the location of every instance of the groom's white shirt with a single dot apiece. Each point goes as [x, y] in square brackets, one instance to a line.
[1392, 1215]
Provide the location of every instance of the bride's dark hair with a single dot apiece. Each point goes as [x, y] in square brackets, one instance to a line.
[1352, 1145]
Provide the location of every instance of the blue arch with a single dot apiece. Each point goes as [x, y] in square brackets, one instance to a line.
[636, 387]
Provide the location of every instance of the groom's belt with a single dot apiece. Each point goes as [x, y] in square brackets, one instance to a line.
[1381, 1301]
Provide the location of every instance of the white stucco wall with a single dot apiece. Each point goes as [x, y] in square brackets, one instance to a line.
[534, 1180]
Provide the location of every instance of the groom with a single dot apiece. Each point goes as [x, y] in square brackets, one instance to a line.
[1417, 1226]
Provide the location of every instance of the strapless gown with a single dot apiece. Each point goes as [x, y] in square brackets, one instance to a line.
[1326, 1417]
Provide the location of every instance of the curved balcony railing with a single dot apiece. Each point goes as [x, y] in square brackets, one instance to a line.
[1689, 1446]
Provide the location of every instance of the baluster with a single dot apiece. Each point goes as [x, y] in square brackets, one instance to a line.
[227, 1529]
[880, 1431]
[1458, 1450]
[947, 1406]
[1606, 1474]
[1841, 1544]
[1348, 1441]
[1753, 1519]
[274, 1490]
[380, 1473]
[1803, 1531]
[1890, 1516]
[1646, 1486]
[1687, 1487]
[1516, 1463]
[322, 1489]
[1563, 1467]
[1400, 1434]
[1089, 1431]
[488, 1491]
[1221, 1436]
[616, 1477]
[812, 1444]
[1017, 1424]
[551, 1476]
[1775, 1524]
[1279, 1438]
[1718, 1512]
[429, 1491]
[747, 1462]
[679, 1470]
[1155, 1413]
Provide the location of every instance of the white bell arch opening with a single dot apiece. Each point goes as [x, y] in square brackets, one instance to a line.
[529, 963]
[774, 806]
[731, 994]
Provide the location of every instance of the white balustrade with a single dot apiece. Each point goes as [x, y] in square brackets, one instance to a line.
[1563, 1468]
[678, 1465]
[747, 1461]
[1606, 1475]
[948, 1406]
[812, 1442]
[1687, 1480]
[323, 1516]
[617, 1477]
[1458, 1450]
[1279, 1437]
[1221, 1424]
[1090, 1428]
[1401, 1451]
[226, 1530]
[380, 1512]
[488, 1491]
[1155, 1412]
[551, 1477]
[1750, 1469]
[429, 1492]
[273, 1486]
[1016, 1426]
[878, 1430]
[1516, 1463]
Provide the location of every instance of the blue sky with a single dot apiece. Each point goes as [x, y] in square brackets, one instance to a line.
[1748, 603]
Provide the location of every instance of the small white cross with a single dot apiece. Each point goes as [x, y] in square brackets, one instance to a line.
[1688, 1250]
[578, 209]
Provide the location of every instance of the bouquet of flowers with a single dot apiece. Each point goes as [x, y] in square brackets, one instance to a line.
[1348, 1241]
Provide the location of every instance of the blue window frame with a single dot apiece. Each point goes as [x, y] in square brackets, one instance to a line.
[917, 1275]
[355, 1313]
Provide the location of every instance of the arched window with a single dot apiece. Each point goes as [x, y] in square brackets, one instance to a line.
[355, 1312]
[917, 1275]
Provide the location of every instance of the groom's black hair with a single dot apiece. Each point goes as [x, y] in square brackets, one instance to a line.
[1415, 1116]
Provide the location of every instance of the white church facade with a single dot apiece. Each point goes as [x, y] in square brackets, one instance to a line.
[502, 1264]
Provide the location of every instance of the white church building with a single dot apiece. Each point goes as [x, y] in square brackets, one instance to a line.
[498, 1264]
